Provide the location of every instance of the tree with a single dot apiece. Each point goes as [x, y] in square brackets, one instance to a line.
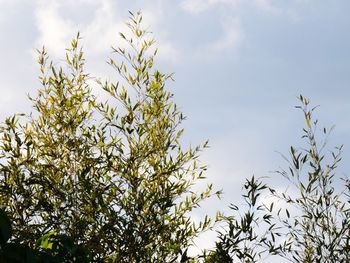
[51, 248]
[311, 224]
[319, 229]
[112, 175]
[250, 234]
[88, 181]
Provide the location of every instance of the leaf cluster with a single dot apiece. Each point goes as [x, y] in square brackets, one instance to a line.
[84, 180]
[111, 175]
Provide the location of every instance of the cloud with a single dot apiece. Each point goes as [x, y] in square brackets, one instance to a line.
[267, 6]
[198, 6]
[99, 23]
[99, 32]
[8, 2]
[56, 30]
[154, 18]
[168, 52]
[271, 8]
[231, 39]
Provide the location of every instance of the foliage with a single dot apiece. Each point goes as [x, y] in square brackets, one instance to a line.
[309, 225]
[50, 248]
[319, 228]
[249, 236]
[88, 181]
[112, 176]
[61, 248]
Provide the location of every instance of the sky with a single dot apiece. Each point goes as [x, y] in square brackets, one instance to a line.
[239, 66]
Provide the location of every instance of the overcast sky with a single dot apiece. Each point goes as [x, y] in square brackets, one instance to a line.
[239, 66]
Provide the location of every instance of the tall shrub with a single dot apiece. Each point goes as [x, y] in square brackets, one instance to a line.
[113, 176]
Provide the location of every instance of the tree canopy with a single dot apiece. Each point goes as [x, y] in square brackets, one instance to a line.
[112, 176]
[85, 180]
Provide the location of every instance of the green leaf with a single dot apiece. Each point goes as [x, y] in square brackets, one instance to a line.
[47, 240]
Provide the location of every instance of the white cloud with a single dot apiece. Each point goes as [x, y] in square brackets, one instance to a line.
[233, 35]
[102, 31]
[56, 30]
[267, 6]
[168, 52]
[99, 33]
[99, 23]
[231, 39]
[154, 17]
[271, 7]
[198, 6]
[8, 2]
